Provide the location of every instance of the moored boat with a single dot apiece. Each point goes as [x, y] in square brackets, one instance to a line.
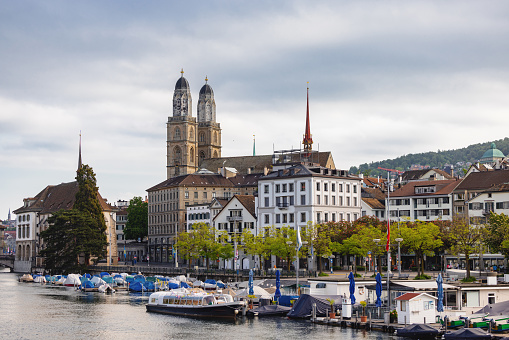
[200, 305]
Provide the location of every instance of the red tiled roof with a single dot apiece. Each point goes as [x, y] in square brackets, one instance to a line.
[407, 296]
[444, 187]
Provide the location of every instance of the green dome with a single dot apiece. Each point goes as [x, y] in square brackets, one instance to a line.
[492, 154]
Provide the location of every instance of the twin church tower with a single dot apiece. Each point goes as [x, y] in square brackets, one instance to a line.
[190, 140]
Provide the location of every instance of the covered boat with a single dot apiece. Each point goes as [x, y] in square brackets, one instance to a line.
[468, 334]
[269, 310]
[200, 305]
[303, 307]
[418, 331]
[72, 280]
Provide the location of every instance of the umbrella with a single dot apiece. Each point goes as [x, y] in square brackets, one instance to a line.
[378, 290]
[250, 284]
[352, 287]
[277, 293]
[440, 293]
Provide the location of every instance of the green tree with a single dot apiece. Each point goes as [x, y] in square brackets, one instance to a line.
[497, 233]
[205, 239]
[86, 226]
[422, 239]
[137, 219]
[466, 239]
[187, 247]
[66, 240]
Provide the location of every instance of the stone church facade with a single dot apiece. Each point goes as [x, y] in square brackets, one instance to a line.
[190, 139]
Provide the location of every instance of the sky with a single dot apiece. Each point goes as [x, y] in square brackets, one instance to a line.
[386, 78]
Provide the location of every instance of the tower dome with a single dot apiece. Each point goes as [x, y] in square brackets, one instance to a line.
[492, 154]
[182, 101]
[206, 104]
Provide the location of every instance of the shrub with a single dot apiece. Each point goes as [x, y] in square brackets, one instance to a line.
[422, 277]
[357, 275]
[323, 274]
[468, 279]
[361, 268]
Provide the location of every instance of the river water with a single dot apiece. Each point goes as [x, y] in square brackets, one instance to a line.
[34, 311]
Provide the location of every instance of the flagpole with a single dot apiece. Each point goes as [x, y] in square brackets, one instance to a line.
[388, 248]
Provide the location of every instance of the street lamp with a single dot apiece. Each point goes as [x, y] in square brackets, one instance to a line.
[399, 240]
[376, 240]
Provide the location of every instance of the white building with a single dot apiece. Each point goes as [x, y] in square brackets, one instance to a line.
[198, 213]
[373, 203]
[495, 199]
[235, 217]
[423, 201]
[296, 194]
[415, 308]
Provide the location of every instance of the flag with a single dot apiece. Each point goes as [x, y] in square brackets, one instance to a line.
[299, 240]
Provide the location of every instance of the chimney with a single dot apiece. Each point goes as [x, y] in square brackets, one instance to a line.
[265, 171]
[249, 171]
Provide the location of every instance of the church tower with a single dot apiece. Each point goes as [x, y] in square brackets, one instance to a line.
[189, 139]
[209, 132]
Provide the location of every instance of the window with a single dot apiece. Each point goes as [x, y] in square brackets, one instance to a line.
[348, 201]
[333, 217]
[278, 188]
[317, 199]
[355, 201]
[491, 298]
[196, 195]
[290, 187]
[302, 199]
[318, 217]
[278, 218]
[317, 186]
[292, 200]
[267, 219]
[186, 195]
[302, 186]
[205, 195]
[354, 189]
[348, 188]
[340, 200]
[284, 187]
[402, 305]
[333, 187]
[266, 189]
[325, 187]
[326, 199]
[340, 187]
[290, 218]
[326, 217]
[278, 201]
[285, 218]
[333, 200]
[303, 217]
[266, 201]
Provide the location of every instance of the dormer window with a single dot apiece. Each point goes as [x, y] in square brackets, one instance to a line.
[425, 190]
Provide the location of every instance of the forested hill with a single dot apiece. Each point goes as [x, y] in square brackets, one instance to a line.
[459, 158]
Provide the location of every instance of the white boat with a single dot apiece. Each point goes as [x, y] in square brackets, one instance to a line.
[201, 305]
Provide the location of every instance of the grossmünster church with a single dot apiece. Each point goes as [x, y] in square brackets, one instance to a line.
[190, 139]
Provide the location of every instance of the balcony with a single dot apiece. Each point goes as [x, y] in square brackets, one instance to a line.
[283, 205]
[486, 212]
[234, 218]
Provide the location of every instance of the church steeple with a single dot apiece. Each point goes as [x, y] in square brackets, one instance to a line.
[206, 104]
[308, 140]
[79, 156]
[182, 101]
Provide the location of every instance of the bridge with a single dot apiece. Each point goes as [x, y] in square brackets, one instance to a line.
[7, 261]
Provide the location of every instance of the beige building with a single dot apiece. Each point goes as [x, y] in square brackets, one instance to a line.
[168, 202]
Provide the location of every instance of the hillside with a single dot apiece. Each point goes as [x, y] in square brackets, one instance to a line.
[460, 158]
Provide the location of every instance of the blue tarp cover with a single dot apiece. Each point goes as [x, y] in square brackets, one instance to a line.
[286, 300]
[303, 308]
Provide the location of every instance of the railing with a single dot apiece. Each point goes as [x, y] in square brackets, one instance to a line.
[234, 218]
[283, 205]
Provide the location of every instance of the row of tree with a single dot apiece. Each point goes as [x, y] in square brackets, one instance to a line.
[365, 236]
[471, 153]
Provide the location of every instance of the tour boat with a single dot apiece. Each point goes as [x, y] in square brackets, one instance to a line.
[201, 305]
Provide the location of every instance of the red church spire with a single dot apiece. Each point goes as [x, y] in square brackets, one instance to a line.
[308, 140]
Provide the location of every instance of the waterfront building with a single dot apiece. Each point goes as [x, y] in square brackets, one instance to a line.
[473, 184]
[198, 213]
[416, 308]
[494, 199]
[238, 215]
[422, 201]
[168, 202]
[373, 202]
[423, 175]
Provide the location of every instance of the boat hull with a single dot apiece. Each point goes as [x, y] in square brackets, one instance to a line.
[220, 311]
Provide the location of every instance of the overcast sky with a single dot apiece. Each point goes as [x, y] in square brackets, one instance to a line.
[386, 78]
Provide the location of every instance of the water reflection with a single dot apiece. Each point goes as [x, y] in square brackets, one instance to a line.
[33, 311]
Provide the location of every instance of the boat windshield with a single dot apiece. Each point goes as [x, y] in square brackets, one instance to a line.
[208, 300]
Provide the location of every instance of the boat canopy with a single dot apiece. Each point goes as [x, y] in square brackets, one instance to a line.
[303, 307]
